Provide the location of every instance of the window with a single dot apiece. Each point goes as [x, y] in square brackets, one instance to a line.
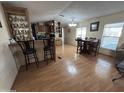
[81, 32]
[111, 35]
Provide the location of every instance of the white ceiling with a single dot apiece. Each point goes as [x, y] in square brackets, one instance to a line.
[80, 10]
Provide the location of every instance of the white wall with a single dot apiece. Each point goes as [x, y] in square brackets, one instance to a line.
[70, 34]
[113, 18]
[8, 68]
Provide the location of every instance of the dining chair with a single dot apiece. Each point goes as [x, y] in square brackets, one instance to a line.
[94, 46]
[79, 45]
[29, 51]
[86, 38]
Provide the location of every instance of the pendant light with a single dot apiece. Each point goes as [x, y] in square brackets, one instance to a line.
[72, 24]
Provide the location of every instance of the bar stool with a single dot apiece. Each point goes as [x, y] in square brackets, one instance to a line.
[29, 51]
[48, 48]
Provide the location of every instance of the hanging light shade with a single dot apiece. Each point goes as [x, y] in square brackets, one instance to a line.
[72, 24]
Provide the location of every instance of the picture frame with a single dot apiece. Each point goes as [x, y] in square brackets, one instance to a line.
[94, 26]
[0, 25]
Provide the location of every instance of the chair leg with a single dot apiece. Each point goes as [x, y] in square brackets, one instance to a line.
[36, 60]
[77, 49]
[80, 48]
[26, 62]
[122, 75]
[45, 56]
[51, 54]
[95, 52]
[28, 59]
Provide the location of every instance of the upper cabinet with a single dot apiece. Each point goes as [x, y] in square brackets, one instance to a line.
[50, 26]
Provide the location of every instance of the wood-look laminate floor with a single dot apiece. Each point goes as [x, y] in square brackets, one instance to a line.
[73, 72]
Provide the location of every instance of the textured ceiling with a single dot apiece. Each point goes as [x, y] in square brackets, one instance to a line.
[80, 10]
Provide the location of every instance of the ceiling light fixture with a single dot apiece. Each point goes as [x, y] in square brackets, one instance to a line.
[61, 15]
[72, 24]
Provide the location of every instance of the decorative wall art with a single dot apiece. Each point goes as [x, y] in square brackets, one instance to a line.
[0, 25]
[20, 27]
[18, 23]
[94, 26]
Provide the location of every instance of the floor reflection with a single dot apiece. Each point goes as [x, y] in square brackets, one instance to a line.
[72, 69]
[102, 69]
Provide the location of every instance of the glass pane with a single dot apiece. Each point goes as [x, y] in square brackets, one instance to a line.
[78, 32]
[110, 42]
[116, 32]
[83, 32]
[111, 35]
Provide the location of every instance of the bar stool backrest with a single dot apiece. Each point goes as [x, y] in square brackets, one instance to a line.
[49, 42]
[93, 38]
[26, 45]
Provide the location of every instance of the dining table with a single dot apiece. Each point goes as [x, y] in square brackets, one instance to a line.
[86, 43]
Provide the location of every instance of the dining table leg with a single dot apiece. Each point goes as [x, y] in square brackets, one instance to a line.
[84, 48]
[80, 49]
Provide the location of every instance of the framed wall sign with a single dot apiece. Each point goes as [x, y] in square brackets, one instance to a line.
[0, 25]
[18, 23]
[94, 26]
